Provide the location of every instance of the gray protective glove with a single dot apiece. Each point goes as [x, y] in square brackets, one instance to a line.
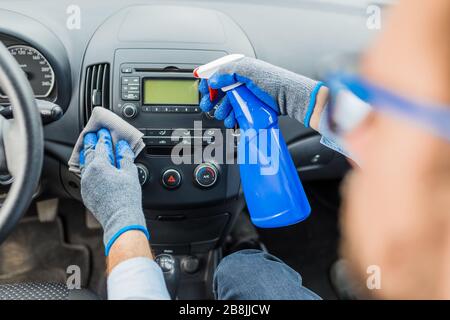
[110, 186]
[284, 91]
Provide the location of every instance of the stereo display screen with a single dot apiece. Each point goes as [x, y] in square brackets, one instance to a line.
[171, 91]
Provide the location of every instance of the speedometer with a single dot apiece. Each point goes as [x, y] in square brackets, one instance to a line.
[37, 69]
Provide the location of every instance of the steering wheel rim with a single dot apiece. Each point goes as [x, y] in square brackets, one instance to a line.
[28, 134]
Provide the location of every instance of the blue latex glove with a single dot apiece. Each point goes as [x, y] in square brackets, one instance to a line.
[110, 186]
[287, 93]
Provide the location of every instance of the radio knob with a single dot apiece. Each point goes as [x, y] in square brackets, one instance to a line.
[210, 114]
[129, 110]
[205, 175]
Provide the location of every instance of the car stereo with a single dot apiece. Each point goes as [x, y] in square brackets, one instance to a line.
[158, 99]
[146, 90]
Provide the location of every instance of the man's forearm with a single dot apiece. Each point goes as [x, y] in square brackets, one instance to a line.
[131, 244]
[132, 272]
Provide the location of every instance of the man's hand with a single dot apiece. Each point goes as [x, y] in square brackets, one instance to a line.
[286, 92]
[110, 186]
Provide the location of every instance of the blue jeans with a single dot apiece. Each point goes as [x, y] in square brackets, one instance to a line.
[256, 275]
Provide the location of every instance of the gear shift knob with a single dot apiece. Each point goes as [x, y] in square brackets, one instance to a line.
[171, 271]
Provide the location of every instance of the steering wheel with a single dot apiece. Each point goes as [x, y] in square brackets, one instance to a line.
[21, 143]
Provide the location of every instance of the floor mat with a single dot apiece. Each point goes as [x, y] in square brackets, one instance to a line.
[73, 216]
[36, 252]
[310, 247]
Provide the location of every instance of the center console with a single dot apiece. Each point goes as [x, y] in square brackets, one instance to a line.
[162, 100]
[139, 64]
[187, 205]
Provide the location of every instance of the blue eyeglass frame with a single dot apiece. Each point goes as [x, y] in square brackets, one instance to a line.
[431, 116]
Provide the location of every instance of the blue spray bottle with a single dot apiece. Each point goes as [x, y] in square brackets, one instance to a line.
[272, 188]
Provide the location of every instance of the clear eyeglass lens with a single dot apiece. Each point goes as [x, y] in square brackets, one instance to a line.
[349, 111]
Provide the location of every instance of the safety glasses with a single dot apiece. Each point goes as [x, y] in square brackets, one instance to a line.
[353, 99]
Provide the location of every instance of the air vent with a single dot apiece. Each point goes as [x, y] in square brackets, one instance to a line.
[96, 88]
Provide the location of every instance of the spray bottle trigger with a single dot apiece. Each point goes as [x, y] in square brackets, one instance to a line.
[213, 94]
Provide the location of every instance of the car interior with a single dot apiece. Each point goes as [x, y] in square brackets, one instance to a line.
[82, 54]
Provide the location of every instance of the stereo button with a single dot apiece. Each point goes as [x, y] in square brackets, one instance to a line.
[130, 96]
[130, 80]
[131, 88]
[159, 132]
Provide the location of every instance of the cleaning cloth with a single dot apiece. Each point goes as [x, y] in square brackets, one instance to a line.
[119, 129]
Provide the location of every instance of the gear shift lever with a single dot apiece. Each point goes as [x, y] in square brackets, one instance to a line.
[171, 270]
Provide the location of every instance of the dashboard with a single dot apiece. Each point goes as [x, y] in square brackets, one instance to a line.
[136, 59]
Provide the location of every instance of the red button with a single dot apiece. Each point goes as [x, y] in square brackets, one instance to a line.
[171, 179]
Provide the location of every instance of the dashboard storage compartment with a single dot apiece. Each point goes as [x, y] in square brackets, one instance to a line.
[186, 231]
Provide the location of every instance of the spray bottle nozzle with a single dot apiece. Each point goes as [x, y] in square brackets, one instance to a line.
[207, 70]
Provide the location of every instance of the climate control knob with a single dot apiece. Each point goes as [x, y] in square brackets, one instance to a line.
[143, 173]
[129, 110]
[205, 175]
